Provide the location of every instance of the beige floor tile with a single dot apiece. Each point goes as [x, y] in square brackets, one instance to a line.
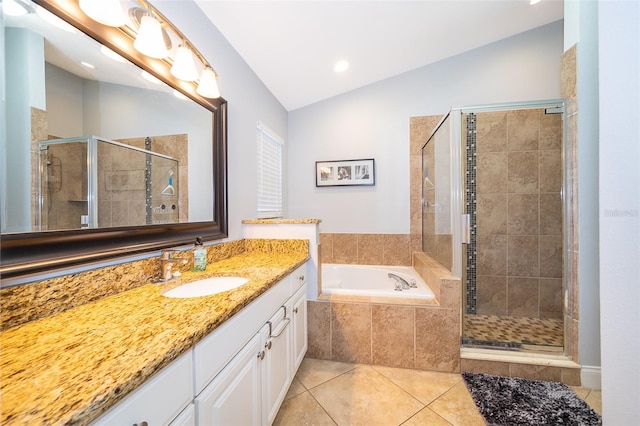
[580, 391]
[594, 399]
[313, 372]
[425, 386]
[295, 389]
[365, 397]
[426, 417]
[300, 410]
[457, 407]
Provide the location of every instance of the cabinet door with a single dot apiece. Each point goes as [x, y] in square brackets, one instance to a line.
[299, 318]
[277, 362]
[233, 397]
[186, 418]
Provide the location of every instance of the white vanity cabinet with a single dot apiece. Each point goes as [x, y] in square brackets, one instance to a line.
[159, 401]
[237, 375]
[250, 388]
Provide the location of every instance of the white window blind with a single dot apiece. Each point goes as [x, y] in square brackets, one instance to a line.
[269, 173]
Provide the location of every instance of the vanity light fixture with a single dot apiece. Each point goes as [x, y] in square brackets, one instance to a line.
[150, 40]
[183, 66]
[107, 12]
[208, 87]
[152, 35]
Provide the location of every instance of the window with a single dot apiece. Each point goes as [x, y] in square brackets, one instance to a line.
[269, 173]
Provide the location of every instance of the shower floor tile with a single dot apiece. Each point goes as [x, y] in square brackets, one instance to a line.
[518, 331]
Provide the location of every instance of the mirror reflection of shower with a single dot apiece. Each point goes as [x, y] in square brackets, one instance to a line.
[90, 182]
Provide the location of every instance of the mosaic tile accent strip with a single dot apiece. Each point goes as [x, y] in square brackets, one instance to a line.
[147, 182]
[513, 331]
[470, 207]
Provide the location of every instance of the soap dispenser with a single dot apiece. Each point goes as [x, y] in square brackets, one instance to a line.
[199, 256]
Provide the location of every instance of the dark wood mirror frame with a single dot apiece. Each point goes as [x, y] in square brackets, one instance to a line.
[29, 253]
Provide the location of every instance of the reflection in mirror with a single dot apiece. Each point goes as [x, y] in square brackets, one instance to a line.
[92, 149]
[111, 100]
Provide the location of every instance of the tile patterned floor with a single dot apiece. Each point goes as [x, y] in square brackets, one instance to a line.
[518, 330]
[344, 394]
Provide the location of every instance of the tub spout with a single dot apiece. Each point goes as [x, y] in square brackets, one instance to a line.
[401, 283]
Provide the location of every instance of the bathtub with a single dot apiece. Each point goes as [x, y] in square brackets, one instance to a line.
[373, 281]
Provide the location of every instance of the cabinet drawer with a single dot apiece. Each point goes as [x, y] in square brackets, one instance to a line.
[158, 400]
[298, 278]
[213, 352]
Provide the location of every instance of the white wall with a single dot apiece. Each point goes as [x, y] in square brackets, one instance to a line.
[373, 122]
[249, 101]
[619, 63]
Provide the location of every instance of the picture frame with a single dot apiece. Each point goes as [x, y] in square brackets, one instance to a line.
[346, 173]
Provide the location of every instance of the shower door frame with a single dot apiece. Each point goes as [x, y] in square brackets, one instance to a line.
[458, 212]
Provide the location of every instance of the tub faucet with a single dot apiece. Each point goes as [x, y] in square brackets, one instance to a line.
[401, 283]
[166, 262]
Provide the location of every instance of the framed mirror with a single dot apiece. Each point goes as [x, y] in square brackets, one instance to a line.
[100, 162]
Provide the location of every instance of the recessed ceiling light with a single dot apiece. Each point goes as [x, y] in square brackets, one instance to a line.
[532, 2]
[341, 66]
[88, 65]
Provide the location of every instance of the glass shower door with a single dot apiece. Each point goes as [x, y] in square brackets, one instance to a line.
[512, 261]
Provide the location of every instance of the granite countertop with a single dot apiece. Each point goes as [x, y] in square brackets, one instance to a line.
[279, 221]
[71, 367]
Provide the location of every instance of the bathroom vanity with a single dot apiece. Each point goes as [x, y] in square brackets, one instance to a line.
[139, 356]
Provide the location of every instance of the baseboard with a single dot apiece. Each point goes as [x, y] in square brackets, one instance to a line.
[591, 377]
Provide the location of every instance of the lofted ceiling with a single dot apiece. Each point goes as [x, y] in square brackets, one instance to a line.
[293, 45]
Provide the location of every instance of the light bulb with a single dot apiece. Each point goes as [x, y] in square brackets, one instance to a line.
[107, 12]
[184, 67]
[208, 86]
[150, 40]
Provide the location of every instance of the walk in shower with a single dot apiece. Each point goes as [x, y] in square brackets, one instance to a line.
[492, 212]
[91, 182]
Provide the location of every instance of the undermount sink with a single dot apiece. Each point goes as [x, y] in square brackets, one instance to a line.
[206, 287]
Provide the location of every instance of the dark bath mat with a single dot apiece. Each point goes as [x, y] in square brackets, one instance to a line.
[510, 401]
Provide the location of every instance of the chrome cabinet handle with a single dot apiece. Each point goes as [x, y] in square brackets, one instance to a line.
[141, 424]
[295, 310]
[268, 345]
[301, 278]
[261, 355]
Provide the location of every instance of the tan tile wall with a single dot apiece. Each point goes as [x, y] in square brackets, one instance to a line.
[420, 337]
[438, 246]
[519, 180]
[366, 249]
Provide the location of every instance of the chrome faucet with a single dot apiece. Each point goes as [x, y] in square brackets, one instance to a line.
[401, 283]
[166, 262]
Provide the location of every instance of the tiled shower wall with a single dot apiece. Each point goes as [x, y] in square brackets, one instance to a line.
[519, 213]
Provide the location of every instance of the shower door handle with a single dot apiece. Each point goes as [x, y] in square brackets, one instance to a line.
[466, 228]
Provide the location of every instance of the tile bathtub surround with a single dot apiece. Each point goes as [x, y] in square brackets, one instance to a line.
[49, 367]
[366, 249]
[29, 302]
[420, 337]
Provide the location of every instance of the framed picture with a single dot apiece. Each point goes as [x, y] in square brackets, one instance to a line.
[345, 172]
